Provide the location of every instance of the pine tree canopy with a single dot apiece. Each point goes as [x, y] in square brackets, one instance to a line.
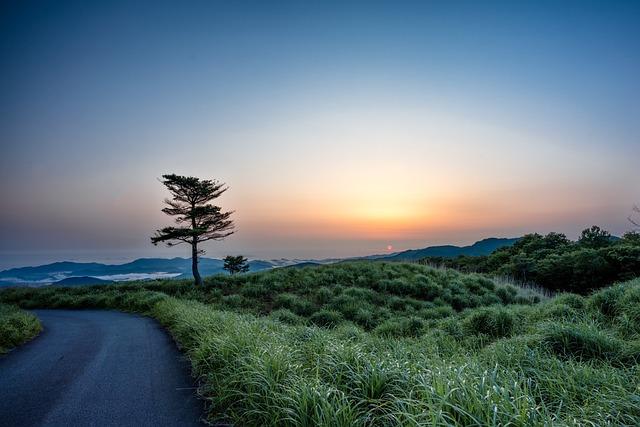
[197, 219]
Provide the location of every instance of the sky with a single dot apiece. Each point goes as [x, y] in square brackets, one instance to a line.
[341, 128]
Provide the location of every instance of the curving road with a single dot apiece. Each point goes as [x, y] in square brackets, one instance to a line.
[97, 368]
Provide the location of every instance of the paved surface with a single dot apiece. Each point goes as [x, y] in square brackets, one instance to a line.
[97, 368]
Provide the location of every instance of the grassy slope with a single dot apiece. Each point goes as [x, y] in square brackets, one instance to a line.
[16, 327]
[569, 360]
[384, 297]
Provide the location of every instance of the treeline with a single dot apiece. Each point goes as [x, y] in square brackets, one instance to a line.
[595, 260]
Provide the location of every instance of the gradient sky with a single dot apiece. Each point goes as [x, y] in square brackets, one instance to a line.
[341, 128]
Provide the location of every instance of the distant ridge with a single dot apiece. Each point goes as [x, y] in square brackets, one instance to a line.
[143, 268]
[482, 247]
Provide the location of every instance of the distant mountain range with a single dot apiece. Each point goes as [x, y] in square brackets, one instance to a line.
[76, 273]
[482, 247]
[143, 268]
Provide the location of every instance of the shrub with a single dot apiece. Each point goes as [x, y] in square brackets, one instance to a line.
[572, 300]
[389, 328]
[489, 299]
[495, 322]
[559, 311]
[298, 305]
[412, 327]
[426, 288]
[374, 381]
[401, 327]
[347, 305]
[460, 301]
[584, 342]
[213, 296]
[233, 301]
[629, 305]
[396, 303]
[255, 290]
[399, 286]
[506, 294]
[361, 294]
[437, 312]
[364, 318]
[606, 301]
[323, 295]
[287, 316]
[326, 318]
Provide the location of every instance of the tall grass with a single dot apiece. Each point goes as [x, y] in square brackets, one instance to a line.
[16, 327]
[568, 360]
[258, 371]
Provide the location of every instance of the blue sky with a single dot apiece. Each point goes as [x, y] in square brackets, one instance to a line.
[341, 128]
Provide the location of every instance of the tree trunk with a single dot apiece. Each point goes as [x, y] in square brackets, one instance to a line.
[194, 263]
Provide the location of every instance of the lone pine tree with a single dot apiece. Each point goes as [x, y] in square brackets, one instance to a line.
[198, 220]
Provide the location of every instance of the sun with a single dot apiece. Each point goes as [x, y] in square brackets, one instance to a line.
[389, 248]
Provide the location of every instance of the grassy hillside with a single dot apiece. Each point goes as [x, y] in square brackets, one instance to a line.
[16, 327]
[385, 297]
[569, 360]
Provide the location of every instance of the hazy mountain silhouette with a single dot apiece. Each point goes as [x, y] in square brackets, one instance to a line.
[482, 247]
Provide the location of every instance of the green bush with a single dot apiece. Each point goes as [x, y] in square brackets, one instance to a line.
[607, 301]
[347, 305]
[495, 322]
[560, 311]
[255, 290]
[629, 305]
[507, 294]
[326, 318]
[287, 316]
[401, 327]
[233, 301]
[437, 312]
[587, 342]
[426, 288]
[365, 318]
[323, 295]
[293, 302]
[572, 300]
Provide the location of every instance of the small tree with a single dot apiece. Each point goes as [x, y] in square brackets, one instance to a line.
[594, 237]
[198, 220]
[236, 264]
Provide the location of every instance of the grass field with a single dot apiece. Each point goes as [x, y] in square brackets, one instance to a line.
[16, 327]
[391, 344]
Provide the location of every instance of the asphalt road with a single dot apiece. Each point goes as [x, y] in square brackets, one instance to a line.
[97, 368]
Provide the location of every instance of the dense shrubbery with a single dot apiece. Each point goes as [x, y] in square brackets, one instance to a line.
[570, 360]
[16, 327]
[496, 322]
[552, 261]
